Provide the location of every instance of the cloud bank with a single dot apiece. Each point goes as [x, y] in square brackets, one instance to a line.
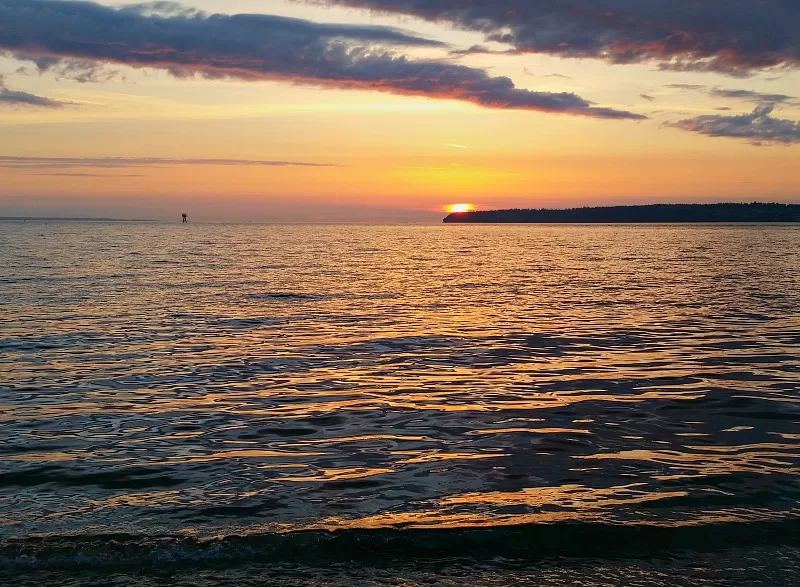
[32, 163]
[733, 37]
[187, 43]
[758, 127]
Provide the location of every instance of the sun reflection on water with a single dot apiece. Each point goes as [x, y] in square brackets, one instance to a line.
[283, 377]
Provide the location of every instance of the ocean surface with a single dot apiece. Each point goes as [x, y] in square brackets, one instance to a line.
[399, 405]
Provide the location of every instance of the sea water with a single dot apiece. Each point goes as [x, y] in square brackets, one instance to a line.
[211, 404]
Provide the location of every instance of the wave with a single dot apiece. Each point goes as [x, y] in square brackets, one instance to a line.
[376, 547]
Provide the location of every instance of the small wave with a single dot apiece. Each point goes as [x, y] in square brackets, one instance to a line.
[527, 542]
[283, 295]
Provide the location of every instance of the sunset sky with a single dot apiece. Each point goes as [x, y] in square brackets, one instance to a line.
[291, 110]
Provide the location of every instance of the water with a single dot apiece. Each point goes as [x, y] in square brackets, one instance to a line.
[399, 405]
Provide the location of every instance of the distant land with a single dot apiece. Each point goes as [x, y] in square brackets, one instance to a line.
[652, 213]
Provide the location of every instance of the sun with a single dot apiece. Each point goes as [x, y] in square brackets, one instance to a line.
[459, 208]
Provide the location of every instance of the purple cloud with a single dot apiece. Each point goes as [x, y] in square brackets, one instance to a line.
[732, 37]
[758, 127]
[255, 47]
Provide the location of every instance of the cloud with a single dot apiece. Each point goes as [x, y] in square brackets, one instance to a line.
[262, 47]
[705, 66]
[12, 162]
[746, 95]
[732, 37]
[481, 50]
[19, 98]
[558, 75]
[697, 87]
[80, 70]
[93, 174]
[646, 97]
[751, 96]
[162, 8]
[758, 127]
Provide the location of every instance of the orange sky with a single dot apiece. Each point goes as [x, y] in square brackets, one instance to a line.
[385, 156]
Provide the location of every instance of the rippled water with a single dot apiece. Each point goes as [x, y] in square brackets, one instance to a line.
[488, 397]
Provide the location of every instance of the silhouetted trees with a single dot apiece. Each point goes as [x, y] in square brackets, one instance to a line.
[728, 212]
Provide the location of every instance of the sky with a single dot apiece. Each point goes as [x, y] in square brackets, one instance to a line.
[391, 110]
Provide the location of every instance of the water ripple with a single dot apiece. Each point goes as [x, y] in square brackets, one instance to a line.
[226, 380]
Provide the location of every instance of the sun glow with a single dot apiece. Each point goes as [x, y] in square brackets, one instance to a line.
[457, 208]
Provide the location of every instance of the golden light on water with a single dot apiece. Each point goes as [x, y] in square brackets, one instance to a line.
[458, 208]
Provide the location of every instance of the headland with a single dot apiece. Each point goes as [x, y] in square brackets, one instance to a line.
[651, 213]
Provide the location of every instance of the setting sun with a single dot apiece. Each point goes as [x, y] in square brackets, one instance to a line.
[456, 208]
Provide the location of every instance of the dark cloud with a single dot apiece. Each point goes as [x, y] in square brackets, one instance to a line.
[646, 97]
[733, 37]
[19, 98]
[125, 162]
[723, 108]
[758, 127]
[261, 47]
[558, 75]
